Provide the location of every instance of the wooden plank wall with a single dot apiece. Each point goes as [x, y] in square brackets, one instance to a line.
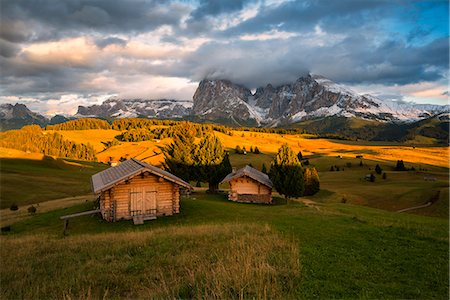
[167, 197]
[246, 185]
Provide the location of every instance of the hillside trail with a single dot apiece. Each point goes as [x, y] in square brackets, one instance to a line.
[432, 200]
[8, 217]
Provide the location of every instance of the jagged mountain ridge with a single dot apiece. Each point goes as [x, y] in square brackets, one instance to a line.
[17, 115]
[308, 97]
[128, 108]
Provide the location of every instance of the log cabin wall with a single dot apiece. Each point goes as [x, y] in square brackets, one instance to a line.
[253, 190]
[116, 202]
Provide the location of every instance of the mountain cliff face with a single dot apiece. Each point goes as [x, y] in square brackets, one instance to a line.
[307, 98]
[18, 115]
[127, 108]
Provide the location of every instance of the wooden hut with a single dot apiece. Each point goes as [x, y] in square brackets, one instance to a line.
[136, 190]
[249, 185]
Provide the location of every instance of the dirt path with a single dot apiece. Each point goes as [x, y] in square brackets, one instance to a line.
[8, 217]
[433, 200]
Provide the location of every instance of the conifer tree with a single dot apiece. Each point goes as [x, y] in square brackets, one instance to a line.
[378, 169]
[179, 155]
[213, 163]
[400, 166]
[312, 183]
[300, 155]
[264, 169]
[251, 149]
[286, 173]
[257, 150]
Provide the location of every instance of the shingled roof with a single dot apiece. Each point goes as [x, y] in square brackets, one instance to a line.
[250, 172]
[106, 179]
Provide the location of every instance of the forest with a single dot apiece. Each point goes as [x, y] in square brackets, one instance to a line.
[32, 139]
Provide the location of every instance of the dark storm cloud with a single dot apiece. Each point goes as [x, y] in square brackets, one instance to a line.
[353, 61]
[102, 43]
[301, 16]
[8, 49]
[63, 18]
[217, 7]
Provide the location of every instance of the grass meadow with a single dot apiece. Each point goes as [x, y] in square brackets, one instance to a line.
[218, 249]
[347, 241]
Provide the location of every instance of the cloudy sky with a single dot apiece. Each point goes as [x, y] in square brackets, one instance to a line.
[56, 55]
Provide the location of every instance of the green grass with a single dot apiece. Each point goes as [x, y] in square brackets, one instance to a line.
[343, 251]
[26, 181]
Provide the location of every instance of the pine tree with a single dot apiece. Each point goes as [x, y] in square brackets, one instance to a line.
[378, 169]
[312, 183]
[300, 155]
[179, 155]
[332, 169]
[264, 169]
[400, 166]
[251, 149]
[212, 162]
[257, 150]
[360, 163]
[384, 176]
[286, 173]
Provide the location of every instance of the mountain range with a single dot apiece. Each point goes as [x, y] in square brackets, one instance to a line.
[309, 98]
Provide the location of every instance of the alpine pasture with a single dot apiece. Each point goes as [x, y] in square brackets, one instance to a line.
[346, 241]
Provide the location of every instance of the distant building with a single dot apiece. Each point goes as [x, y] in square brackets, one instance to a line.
[249, 185]
[136, 190]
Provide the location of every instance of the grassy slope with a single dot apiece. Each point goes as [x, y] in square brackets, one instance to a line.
[344, 251]
[26, 181]
[269, 144]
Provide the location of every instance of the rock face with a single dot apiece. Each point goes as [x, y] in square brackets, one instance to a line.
[221, 99]
[18, 115]
[308, 97]
[127, 108]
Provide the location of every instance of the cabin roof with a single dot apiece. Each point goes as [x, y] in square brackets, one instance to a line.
[252, 173]
[108, 178]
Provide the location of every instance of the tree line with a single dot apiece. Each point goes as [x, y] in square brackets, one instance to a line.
[31, 138]
[148, 124]
[207, 161]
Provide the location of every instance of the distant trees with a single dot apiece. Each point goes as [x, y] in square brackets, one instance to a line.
[31, 138]
[378, 169]
[400, 166]
[384, 176]
[137, 135]
[243, 150]
[286, 173]
[81, 124]
[312, 183]
[300, 155]
[372, 177]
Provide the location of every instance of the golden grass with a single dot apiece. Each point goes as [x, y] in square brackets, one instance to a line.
[267, 143]
[13, 153]
[203, 261]
[95, 137]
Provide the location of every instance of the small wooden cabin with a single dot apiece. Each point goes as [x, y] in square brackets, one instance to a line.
[249, 185]
[136, 190]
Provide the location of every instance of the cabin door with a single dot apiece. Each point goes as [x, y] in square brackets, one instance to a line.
[142, 201]
[150, 202]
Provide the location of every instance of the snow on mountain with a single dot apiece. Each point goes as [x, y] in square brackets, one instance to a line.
[130, 108]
